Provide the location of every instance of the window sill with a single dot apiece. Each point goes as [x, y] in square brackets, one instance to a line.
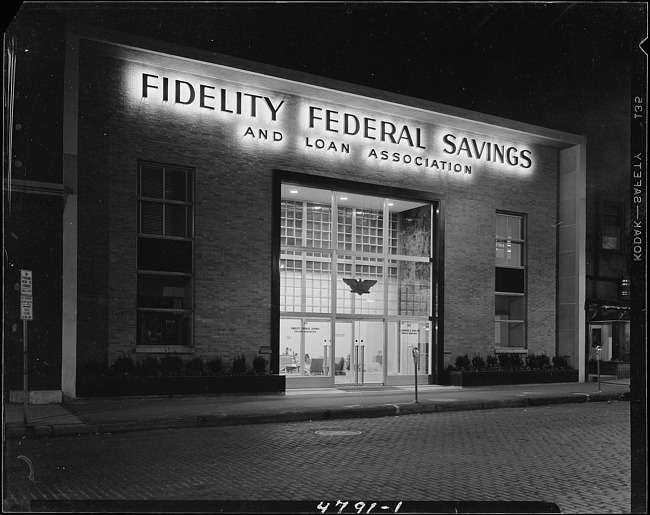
[611, 251]
[510, 350]
[163, 349]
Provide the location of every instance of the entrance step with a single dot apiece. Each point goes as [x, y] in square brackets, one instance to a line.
[593, 378]
[365, 387]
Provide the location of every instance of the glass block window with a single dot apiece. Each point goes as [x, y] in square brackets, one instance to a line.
[291, 230]
[369, 268]
[414, 288]
[393, 288]
[318, 279]
[369, 231]
[291, 284]
[344, 228]
[344, 301]
[360, 239]
[319, 226]
[393, 233]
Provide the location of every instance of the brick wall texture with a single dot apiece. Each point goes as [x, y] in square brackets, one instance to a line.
[233, 219]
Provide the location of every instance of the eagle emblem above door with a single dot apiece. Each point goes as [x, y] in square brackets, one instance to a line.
[360, 287]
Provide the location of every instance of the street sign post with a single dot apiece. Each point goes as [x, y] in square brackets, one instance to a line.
[26, 307]
[26, 314]
[25, 282]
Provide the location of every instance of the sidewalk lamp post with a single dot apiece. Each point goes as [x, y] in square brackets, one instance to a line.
[416, 362]
[599, 356]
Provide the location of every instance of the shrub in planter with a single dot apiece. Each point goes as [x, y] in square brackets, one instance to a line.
[478, 363]
[560, 362]
[510, 361]
[492, 363]
[171, 366]
[239, 365]
[503, 377]
[195, 367]
[215, 366]
[148, 367]
[123, 367]
[259, 365]
[538, 362]
[544, 362]
[463, 363]
[508, 369]
[171, 376]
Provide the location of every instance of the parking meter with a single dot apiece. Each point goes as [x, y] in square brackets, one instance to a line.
[416, 356]
[416, 361]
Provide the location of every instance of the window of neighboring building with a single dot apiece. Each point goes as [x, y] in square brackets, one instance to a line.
[165, 289]
[510, 282]
[612, 227]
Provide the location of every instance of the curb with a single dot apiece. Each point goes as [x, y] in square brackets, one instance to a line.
[384, 410]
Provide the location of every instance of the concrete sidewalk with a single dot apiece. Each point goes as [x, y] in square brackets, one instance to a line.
[111, 415]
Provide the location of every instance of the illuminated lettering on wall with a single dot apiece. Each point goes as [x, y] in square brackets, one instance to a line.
[210, 97]
[430, 162]
[349, 124]
[272, 120]
[486, 150]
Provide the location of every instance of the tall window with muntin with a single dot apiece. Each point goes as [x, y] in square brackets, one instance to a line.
[165, 254]
[510, 281]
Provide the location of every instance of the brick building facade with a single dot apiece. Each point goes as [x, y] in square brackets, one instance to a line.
[223, 140]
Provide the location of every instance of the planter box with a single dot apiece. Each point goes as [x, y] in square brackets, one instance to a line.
[491, 378]
[142, 386]
[610, 368]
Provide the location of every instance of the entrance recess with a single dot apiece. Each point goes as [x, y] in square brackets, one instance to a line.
[357, 287]
[359, 352]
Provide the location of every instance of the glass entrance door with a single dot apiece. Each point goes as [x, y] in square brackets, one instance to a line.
[403, 337]
[359, 351]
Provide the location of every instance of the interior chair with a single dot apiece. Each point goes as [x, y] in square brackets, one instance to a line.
[284, 361]
[316, 366]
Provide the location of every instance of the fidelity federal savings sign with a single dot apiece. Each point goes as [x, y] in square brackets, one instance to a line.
[337, 131]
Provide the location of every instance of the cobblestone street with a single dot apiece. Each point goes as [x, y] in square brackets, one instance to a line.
[574, 455]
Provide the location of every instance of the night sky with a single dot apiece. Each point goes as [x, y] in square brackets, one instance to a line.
[512, 60]
[565, 66]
